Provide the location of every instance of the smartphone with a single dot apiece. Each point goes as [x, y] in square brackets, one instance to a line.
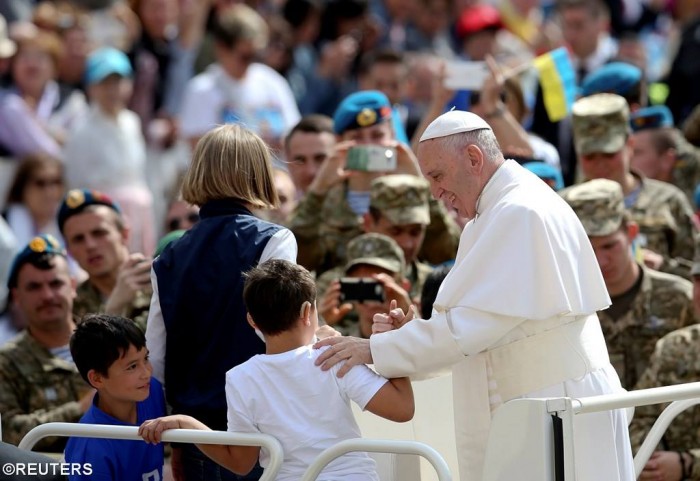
[371, 158]
[465, 75]
[361, 289]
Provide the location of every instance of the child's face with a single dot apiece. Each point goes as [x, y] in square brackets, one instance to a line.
[112, 93]
[128, 378]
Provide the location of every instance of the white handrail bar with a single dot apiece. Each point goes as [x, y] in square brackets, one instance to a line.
[379, 446]
[640, 397]
[658, 430]
[266, 441]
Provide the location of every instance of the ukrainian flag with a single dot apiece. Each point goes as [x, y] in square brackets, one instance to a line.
[558, 82]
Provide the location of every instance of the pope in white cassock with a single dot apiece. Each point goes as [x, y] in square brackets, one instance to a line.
[516, 315]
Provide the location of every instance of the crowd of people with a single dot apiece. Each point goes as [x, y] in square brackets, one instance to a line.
[159, 156]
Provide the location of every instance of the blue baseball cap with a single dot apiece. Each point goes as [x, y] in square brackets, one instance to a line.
[655, 117]
[361, 109]
[44, 244]
[613, 78]
[104, 62]
[76, 200]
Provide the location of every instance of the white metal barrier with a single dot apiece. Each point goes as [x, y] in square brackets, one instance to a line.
[266, 441]
[378, 446]
[522, 443]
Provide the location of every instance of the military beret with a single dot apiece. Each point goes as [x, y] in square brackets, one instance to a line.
[403, 199]
[614, 78]
[600, 123]
[546, 172]
[375, 250]
[655, 117]
[40, 245]
[599, 205]
[76, 200]
[361, 109]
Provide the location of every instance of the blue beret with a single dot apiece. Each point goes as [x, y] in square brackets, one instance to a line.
[655, 117]
[614, 78]
[361, 109]
[76, 200]
[546, 172]
[40, 245]
[696, 196]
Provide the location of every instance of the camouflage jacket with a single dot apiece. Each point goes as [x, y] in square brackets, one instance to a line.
[37, 387]
[686, 172]
[666, 225]
[416, 274]
[89, 300]
[664, 303]
[323, 225]
[676, 360]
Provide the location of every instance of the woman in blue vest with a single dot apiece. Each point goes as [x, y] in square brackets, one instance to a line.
[197, 328]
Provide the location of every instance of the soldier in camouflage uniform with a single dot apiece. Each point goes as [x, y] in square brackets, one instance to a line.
[369, 255]
[665, 218]
[39, 382]
[662, 153]
[96, 236]
[676, 360]
[398, 208]
[646, 304]
[330, 214]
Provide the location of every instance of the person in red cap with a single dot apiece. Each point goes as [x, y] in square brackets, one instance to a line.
[476, 29]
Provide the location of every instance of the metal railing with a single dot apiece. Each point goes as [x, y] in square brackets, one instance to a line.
[266, 441]
[379, 446]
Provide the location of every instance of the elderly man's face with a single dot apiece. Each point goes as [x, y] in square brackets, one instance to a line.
[452, 176]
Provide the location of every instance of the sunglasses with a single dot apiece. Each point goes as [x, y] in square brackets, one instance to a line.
[175, 223]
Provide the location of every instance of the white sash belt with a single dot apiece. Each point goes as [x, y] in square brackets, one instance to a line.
[569, 351]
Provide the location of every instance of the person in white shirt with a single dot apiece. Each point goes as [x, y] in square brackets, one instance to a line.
[525, 281]
[282, 392]
[236, 89]
[107, 151]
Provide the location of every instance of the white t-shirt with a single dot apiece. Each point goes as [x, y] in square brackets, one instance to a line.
[261, 101]
[307, 409]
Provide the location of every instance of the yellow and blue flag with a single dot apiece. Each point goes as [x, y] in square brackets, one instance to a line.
[558, 82]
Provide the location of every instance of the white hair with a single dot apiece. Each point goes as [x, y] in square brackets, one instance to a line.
[482, 138]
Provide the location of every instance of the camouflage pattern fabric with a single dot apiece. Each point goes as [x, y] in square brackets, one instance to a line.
[664, 303]
[600, 123]
[676, 360]
[598, 204]
[89, 301]
[686, 172]
[37, 388]
[402, 199]
[323, 226]
[665, 225]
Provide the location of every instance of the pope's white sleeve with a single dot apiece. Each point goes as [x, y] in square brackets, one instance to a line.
[424, 347]
[155, 333]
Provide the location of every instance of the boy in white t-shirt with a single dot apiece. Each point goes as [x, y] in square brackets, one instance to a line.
[284, 394]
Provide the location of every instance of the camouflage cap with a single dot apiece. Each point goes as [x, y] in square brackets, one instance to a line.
[600, 123]
[403, 199]
[599, 205]
[375, 250]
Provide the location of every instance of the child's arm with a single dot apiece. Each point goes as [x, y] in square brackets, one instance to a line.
[239, 459]
[394, 400]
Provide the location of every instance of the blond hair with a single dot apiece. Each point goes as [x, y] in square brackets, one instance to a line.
[231, 162]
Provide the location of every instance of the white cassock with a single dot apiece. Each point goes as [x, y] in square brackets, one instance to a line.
[516, 317]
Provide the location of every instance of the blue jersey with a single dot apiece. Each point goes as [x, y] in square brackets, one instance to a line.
[118, 459]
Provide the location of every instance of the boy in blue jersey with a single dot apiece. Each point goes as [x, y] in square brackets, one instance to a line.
[110, 353]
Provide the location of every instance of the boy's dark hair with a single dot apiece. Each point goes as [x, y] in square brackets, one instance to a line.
[430, 290]
[101, 339]
[274, 292]
[311, 124]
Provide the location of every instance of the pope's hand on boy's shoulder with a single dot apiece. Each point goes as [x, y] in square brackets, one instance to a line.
[351, 350]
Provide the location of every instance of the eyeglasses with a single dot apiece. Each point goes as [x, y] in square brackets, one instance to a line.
[175, 223]
[49, 182]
